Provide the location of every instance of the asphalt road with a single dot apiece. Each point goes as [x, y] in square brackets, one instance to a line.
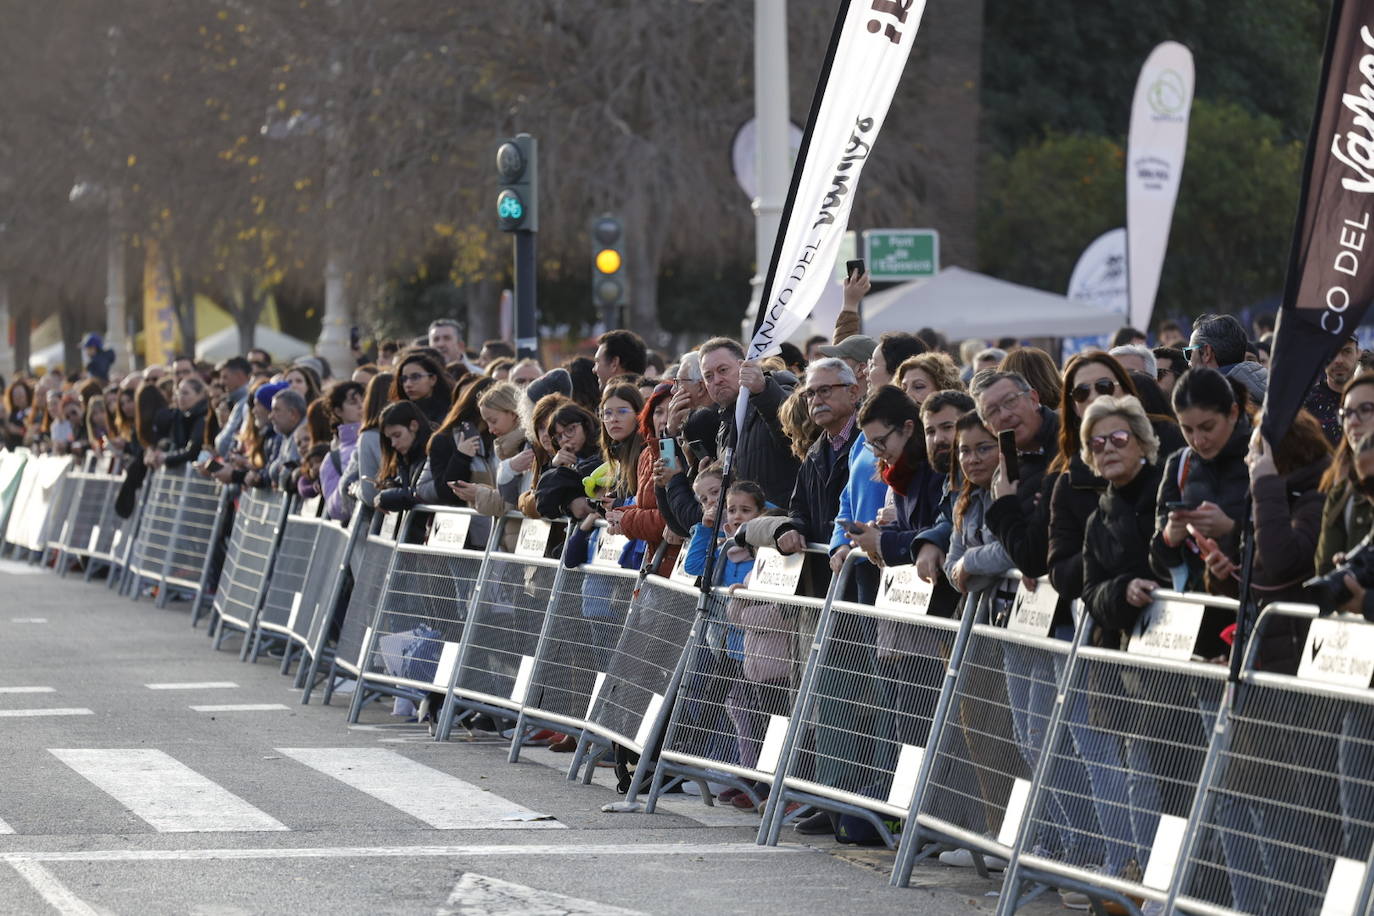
[118, 797]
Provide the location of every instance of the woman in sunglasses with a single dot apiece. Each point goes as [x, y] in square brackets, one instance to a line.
[1087, 378]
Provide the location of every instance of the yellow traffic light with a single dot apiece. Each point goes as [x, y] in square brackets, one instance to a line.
[608, 260]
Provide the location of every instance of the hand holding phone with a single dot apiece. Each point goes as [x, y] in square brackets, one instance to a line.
[850, 527]
[1006, 441]
[667, 449]
[854, 269]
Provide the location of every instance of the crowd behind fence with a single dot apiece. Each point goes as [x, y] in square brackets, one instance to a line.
[1143, 777]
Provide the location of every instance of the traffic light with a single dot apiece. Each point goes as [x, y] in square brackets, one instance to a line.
[517, 165]
[608, 274]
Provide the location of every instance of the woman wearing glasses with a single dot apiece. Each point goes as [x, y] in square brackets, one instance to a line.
[422, 380]
[1347, 515]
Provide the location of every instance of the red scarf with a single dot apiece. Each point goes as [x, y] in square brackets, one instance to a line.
[899, 475]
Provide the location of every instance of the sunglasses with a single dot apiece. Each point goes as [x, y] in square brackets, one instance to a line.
[1081, 393]
[1118, 439]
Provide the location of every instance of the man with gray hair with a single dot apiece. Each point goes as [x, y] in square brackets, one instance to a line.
[832, 399]
[288, 411]
[1219, 342]
[1136, 358]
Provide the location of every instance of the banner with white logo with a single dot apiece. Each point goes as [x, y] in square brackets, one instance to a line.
[1330, 279]
[1154, 169]
[1099, 277]
[867, 54]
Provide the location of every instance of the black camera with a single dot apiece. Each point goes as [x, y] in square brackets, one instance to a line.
[1329, 592]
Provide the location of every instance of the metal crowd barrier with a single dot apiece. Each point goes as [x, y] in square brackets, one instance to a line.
[174, 545]
[302, 579]
[1125, 751]
[30, 517]
[91, 524]
[741, 668]
[1130, 775]
[874, 689]
[252, 549]
[1285, 820]
[420, 618]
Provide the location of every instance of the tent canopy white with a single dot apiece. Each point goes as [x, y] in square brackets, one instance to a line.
[962, 303]
[224, 343]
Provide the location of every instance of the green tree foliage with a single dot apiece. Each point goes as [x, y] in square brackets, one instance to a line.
[1232, 224]
[1062, 65]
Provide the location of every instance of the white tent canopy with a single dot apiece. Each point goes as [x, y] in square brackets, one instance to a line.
[225, 343]
[961, 304]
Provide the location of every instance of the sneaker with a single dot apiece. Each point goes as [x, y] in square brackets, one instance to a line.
[729, 795]
[743, 802]
[1075, 900]
[818, 824]
[963, 858]
[541, 736]
[563, 744]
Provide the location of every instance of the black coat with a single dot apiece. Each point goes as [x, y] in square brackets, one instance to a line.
[436, 406]
[816, 497]
[188, 435]
[399, 490]
[558, 487]
[1116, 550]
[1075, 498]
[765, 455]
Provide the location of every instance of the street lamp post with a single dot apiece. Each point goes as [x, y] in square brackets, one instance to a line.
[771, 111]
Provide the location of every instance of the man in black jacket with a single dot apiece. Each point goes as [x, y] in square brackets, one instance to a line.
[832, 399]
[1020, 515]
[763, 451]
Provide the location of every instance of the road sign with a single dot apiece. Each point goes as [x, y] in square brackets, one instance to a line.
[895, 255]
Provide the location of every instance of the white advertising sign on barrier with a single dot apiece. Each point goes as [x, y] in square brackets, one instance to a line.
[775, 573]
[1167, 629]
[534, 538]
[1338, 652]
[609, 548]
[450, 531]
[902, 590]
[1032, 612]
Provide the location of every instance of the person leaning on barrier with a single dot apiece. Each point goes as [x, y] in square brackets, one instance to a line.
[762, 452]
[359, 482]
[288, 413]
[462, 452]
[405, 433]
[1287, 507]
[1119, 445]
[560, 492]
[832, 399]
[644, 521]
[1088, 377]
[1020, 513]
[1347, 516]
[187, 437]
[976, 558]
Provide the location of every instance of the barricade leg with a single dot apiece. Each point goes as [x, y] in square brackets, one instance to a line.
[212, 555]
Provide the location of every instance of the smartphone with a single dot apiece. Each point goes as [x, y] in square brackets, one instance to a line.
[1006, 441]
[667, 449]
[214, 466]
[1178, 505]
[849, 527]
[854, 266]
[466, 430]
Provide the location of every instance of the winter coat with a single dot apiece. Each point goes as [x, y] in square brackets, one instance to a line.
[1347, 518]
[1253, 376]
[1021, 520]
[765, 454]
[449, 465]
[816, 496]
[678, 505]
[1115, 550]
[559, 487]
[333, 468]
[436, 406]
[401, 491]
[643, 521]
[361, 469]
[985, 558]
[1223, 480]
[188, 435]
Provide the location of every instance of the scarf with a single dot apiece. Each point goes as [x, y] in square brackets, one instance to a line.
[899, 476]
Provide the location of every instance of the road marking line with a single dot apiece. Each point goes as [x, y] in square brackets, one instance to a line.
[444, 802]
[28, 620]
[194, 685]
[241, 707]
[402, 852]
[28, 713]
[28, 690]
[54, 893]
[5, 828]
[170, 796]
[480, 895]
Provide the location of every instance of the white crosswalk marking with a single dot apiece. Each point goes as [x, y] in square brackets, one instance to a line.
[32, 713]
[5, 828]
[28, 690]
[166, 793]
[193, 685]
[241, 707]
[436, 798]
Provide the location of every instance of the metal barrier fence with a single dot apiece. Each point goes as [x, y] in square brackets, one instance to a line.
[175, 542]
[1285, 820]
[91, 524]
[1130, 775]
[30, 516]
[248, 560]
[741, 669]
[421, 621]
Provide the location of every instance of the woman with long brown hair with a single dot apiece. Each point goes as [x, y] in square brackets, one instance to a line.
[420, 378]
[360, 473]
[1347, 515]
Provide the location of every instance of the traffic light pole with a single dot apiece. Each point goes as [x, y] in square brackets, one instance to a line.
[526, 320]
